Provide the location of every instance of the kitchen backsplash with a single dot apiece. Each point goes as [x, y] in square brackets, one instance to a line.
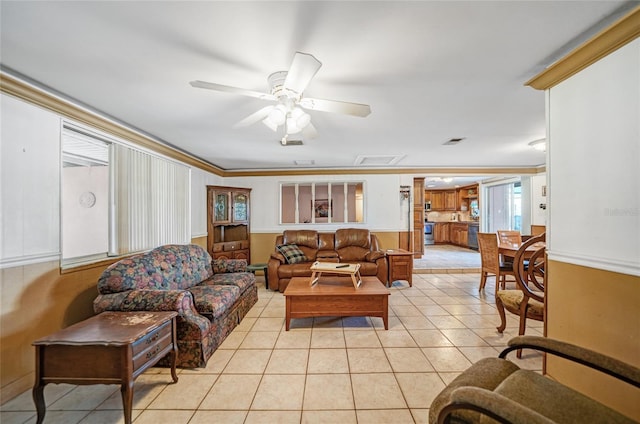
[442, 216]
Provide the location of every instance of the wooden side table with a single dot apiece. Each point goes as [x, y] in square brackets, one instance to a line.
[109, 348]
[400, 266]
[260, 267]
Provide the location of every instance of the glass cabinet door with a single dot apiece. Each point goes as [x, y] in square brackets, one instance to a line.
[240, 207]
[221, 209]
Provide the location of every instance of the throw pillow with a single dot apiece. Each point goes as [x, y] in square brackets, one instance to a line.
[292, 253]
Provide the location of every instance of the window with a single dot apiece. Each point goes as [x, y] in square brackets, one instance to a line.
[84, 196]
[314, 203]
[504, 206]
[118, 199]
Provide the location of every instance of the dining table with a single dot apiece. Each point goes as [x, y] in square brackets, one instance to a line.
[508, 250]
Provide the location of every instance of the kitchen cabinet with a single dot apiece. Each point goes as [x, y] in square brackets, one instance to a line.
[442, 200]
[459, 234]
[437, 200]
[450, 200]
[228, 222]
[441, 232]
[468, 199]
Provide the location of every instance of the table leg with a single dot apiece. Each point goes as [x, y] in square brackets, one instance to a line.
[126, 389]
[38, 399]
[287, 319]
[385, 314]
[174, 350]
[266, 277]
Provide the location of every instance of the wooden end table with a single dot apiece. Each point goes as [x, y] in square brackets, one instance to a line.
[400, 265]
[336, 296]
[109, 348]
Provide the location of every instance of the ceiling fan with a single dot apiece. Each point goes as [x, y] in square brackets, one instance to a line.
[286, 89]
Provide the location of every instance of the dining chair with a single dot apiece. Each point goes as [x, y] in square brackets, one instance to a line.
[491, 264]
[512, 237]
[509, 236]
[527, 300]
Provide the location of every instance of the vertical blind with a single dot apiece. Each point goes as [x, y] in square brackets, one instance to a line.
[150, 201]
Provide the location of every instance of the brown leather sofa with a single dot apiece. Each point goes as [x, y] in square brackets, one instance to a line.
[347, 245]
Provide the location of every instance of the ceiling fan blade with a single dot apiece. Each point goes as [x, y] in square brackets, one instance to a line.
[254, 117]
[309, 131]
[335, 106]
[302, 70]
[235, 90]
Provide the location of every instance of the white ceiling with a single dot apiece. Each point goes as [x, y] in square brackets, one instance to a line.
[431, 71]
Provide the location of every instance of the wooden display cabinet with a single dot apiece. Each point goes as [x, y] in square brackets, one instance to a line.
[228, 215]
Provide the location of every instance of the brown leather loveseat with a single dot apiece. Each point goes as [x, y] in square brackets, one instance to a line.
[347, 245]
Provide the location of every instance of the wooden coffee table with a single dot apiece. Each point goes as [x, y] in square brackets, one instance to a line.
[336, 296]
[109, 348]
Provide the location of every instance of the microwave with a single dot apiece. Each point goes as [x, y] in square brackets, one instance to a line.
[427, 206]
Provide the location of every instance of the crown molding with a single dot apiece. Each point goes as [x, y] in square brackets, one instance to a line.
[600, 45]
[386, 171]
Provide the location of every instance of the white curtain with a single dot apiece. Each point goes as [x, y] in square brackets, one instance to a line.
[150, 201]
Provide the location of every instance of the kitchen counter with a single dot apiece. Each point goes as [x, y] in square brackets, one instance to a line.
[457, 232]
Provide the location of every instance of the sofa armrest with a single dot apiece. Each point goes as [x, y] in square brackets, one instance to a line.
[179, 301]
[278, 257]
[374, 255]
[221, 266]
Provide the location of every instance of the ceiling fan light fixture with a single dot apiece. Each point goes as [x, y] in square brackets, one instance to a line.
[292, 127]
[278, 115]
[303, 120]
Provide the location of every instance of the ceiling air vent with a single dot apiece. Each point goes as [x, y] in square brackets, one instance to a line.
[378, 160]
[304, 162]
[453, 141]
[286, 142]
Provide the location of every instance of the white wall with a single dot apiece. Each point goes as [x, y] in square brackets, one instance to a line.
[381, 194]
[29, 183]
[538, 215]
[594, 207]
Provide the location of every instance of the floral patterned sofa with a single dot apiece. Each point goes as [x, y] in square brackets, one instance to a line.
[211, 297]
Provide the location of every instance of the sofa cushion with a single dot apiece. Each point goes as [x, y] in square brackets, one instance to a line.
[242, 280]
[222, 265]
[214, 300]
[356, 237]
[301, 238]
[170, 267]
[292, 253]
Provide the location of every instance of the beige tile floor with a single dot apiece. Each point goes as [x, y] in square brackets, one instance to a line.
[324, 370]
[446, 258]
